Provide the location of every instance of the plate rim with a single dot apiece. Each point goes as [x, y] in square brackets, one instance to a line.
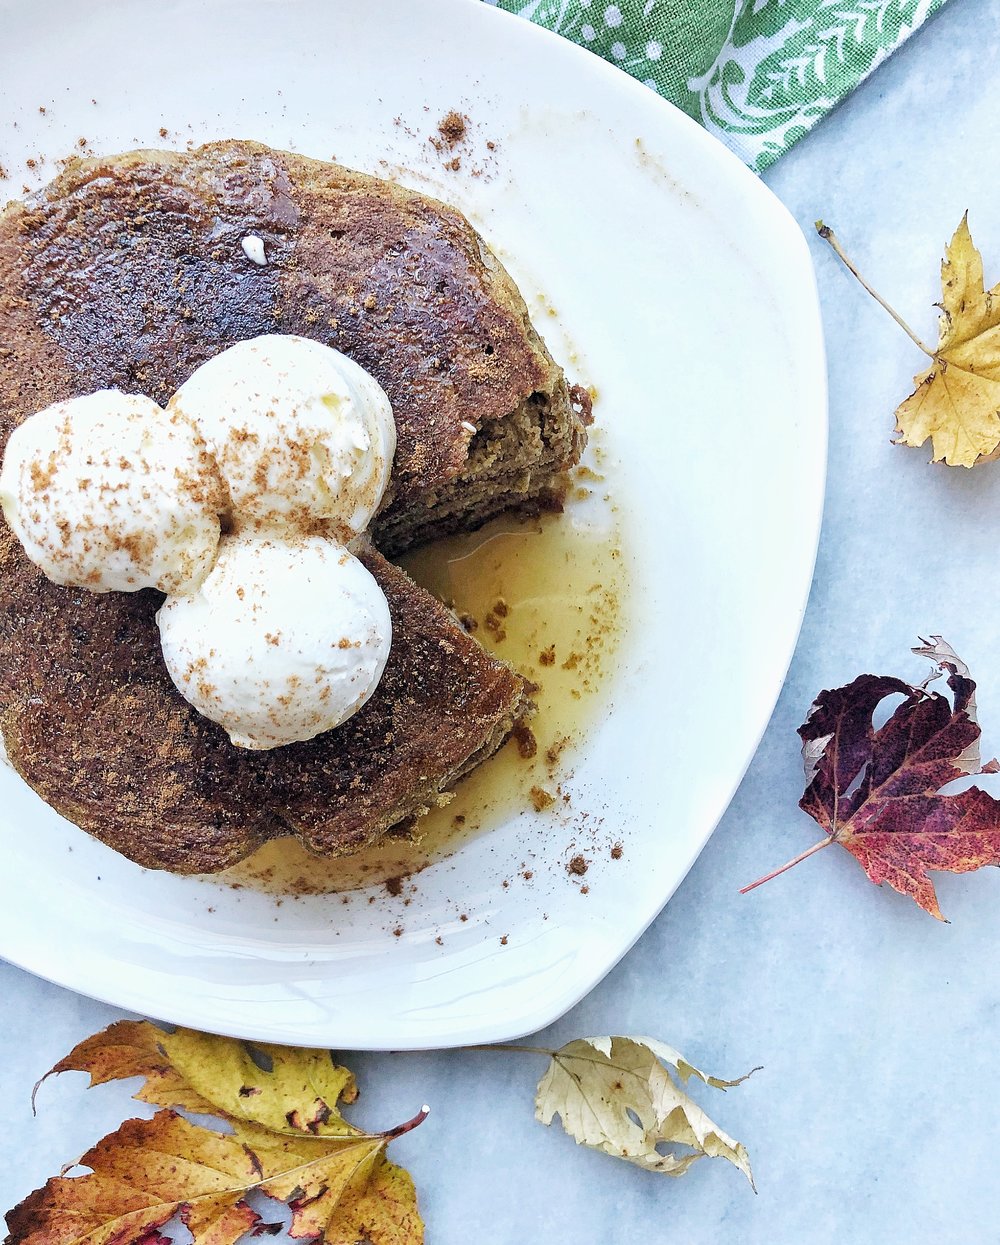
[183, 1006]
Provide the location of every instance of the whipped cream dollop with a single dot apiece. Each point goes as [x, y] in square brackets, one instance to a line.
[275, 630]
[285, 639]
[109, 492]
[302, 434]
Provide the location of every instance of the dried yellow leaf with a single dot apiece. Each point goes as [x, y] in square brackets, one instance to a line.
[956, 403]
[285, 1089]
[286, 1141]
[617, 1095]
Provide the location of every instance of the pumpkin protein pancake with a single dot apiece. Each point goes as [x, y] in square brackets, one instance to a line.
[129, 272]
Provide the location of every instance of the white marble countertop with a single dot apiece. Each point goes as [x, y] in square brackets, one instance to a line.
[874, 1117]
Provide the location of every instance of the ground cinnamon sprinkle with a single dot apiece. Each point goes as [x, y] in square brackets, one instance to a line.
[554, 751]
[451, 127]
[394, 885]
[577, 866]
[616, 852]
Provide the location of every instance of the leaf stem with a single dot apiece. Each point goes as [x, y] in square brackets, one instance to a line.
[827, 234]
[409, 1126]
[810, 851]
[513, 1046]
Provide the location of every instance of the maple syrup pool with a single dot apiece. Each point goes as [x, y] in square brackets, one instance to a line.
[548, 596]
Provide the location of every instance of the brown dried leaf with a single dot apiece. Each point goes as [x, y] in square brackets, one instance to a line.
[341, 1189]
[141, 1176]
[132, 1048]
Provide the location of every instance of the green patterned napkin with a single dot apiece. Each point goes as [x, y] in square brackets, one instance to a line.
[758, 77]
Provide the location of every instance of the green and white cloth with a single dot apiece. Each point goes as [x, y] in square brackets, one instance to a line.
[756, 73]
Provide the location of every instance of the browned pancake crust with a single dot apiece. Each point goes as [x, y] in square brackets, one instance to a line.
[95, 725]
[128, 272]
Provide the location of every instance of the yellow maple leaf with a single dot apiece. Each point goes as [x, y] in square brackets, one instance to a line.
[956, 401]
[286, 1140]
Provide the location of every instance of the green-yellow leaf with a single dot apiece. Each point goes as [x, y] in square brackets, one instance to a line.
[295, 1091]
[617, 1095]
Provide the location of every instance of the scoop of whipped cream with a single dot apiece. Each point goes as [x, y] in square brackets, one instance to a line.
[109, 492]
[301, 433]
[285, 639]
[278, 633]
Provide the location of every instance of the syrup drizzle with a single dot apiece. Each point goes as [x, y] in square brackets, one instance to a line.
[547, 596]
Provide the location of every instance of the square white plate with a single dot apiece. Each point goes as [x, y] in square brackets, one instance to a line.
[687, 292]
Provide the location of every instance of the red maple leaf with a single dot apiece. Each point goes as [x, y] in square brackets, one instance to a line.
[877, 791]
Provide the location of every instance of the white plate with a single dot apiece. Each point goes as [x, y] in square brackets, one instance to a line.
[687, 292]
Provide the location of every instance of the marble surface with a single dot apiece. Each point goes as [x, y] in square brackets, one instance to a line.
[874, 1116]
